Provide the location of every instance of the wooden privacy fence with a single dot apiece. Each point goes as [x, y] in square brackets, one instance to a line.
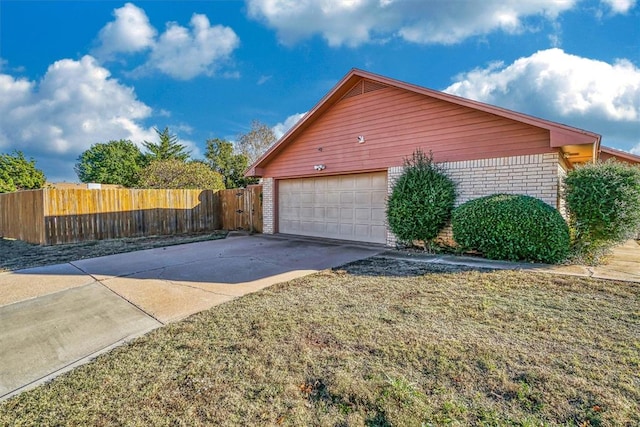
[54, 216]
[241, 208]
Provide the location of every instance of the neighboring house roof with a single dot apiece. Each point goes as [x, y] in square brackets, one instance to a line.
[608, 152]
[577, 145]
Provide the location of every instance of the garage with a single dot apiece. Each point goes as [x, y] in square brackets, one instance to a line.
[318, 179]
[346, 207]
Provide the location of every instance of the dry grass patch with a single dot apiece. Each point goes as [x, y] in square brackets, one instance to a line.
[353, 347]
[16, 254]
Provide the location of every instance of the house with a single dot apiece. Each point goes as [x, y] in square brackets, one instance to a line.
[330, 175]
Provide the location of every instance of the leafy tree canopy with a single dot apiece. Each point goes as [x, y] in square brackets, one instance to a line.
[114, 162]
[167, 147]
[175, 173]
[255, 142]
[231, 165]
[18, 173]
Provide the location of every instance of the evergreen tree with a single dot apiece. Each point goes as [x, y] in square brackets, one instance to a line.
[18, 173]
[167, 148]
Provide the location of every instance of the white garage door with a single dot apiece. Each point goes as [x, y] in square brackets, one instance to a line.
[347, 207]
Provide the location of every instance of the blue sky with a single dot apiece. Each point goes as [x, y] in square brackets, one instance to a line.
[74, 73]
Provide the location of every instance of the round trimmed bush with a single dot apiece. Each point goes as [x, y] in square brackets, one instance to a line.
[511, 227]
[603, 200]
[421, 201]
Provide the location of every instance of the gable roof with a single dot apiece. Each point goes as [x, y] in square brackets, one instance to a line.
[576, 144]
[620, 155]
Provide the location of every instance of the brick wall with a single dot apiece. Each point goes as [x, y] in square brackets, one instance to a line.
[536, 175]
[393, 173]
[562, 173]
[268, 225]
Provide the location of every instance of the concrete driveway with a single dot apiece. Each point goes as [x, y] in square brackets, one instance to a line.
[57, 317]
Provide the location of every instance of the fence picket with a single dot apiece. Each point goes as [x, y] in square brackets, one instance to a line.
[57, 215]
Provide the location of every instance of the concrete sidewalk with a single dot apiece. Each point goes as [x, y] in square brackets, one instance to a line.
[57, 317]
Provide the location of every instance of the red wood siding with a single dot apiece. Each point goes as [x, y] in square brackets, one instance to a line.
[395, 122]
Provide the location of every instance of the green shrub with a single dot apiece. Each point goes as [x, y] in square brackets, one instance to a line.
[421, 201]
[603, 201]
[511, 227]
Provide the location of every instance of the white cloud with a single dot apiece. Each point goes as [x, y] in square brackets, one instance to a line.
[282, 128]
[263, 79]
[620, 6]
[130, 32]
[75, 105]
[354, 22]
[184, 53]
[180, 52]
[582, 92]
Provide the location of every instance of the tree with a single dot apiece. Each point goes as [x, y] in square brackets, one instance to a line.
[114, 162]
[175, 173]
[255, 142]
[231, 165]
[18, 173]
[167, 148]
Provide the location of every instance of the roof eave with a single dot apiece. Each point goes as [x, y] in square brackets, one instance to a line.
[619, 153]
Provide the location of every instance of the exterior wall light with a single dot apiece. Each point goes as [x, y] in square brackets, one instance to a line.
[319, 167]
[361, 139]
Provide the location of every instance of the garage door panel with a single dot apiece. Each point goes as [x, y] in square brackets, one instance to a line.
[320, 198]
[378, 215]
[333, 198]
[333, 228]
[379, 197]
[346, 213]
[333, 213]
[349, 207]
[346, 197]
[292, 226]
[379, 233]
[363, 214]
[306, 198]
[362, 231]
[363, 198]
[320, 214]
[348, 183]
[379, 181]
[346, 229]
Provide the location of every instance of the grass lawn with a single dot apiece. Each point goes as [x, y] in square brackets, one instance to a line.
[379, 342]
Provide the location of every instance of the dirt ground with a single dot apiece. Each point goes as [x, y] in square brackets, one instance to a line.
[379, 266]
[16, 254]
